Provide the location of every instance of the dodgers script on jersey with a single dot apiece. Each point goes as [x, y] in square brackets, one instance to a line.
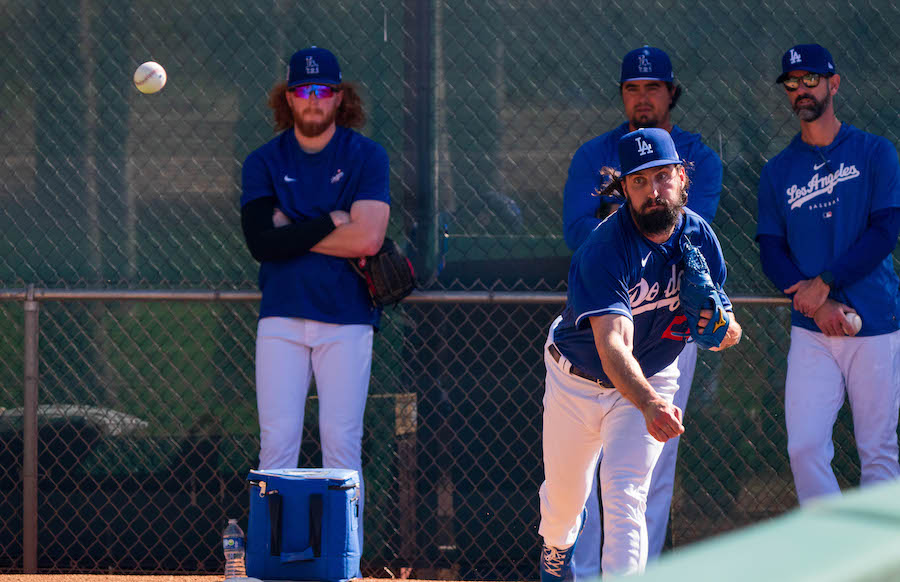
[617, 270]
[579, 205]
[820, 200]
[350, 168]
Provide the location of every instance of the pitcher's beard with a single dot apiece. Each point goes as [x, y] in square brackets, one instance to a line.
[658, 221]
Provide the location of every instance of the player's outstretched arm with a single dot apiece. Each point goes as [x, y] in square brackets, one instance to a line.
[613, 337]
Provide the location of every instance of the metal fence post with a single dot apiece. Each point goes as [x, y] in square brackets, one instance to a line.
[418, 124]
[30, 436]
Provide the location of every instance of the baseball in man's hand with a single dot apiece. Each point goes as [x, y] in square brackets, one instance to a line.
[855, 322]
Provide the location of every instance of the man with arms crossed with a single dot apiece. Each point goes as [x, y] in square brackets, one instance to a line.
[314, 196]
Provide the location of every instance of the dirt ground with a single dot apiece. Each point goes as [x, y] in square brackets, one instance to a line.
[103, 578]
[129, 578]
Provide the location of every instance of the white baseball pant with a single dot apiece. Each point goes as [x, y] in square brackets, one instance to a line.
[580, 419]
[289, 351]
[821, 370]
[586, 559]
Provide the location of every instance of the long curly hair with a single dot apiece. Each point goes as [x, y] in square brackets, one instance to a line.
[349, 114]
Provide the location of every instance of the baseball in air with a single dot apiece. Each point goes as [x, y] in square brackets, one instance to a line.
[855, 321]
[150, 77]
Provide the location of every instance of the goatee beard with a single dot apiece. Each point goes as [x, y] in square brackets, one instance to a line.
[313, 128]
[645, 122]
[813, 111]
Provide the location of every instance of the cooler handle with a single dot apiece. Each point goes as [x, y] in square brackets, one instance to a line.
[315, 530]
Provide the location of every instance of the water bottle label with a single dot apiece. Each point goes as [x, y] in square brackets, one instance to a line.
[233, 544]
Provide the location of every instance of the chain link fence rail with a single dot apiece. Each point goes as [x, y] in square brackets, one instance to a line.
[129, 446]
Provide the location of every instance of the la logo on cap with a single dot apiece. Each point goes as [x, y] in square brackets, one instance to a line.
[795, 57]
[644, 148]
[644, 65]
[312, 67]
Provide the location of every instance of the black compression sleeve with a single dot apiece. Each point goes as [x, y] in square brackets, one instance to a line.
[268, 243]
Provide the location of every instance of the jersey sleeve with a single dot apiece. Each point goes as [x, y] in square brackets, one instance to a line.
[706, 183]
[374, 183]
[598, 285]
[769, 217]
[884, 174]
[256, 179]
[579, 203]
[775, 259]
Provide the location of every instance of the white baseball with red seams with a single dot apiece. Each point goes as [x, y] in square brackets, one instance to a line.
[150, 77]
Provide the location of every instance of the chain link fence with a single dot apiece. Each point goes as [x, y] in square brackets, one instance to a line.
[146, 409]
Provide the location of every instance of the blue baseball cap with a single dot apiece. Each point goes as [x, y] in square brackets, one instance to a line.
[313, 65]
[813, 58]
[647, 63]
[646, 148]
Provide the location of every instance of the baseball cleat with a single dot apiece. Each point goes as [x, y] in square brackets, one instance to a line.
[555, 561]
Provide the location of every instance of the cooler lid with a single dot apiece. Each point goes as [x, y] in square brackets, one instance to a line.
[342, 476]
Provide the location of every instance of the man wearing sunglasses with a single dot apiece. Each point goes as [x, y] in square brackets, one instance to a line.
[829, 216]
[649, 93]
[312, 197]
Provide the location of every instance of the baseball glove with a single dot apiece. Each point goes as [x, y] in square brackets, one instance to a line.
[699, 292]
[388, 274]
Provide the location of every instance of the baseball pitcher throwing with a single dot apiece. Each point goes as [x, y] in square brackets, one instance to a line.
[611, 355]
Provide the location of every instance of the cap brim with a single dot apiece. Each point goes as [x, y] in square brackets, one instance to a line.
[655, 163]
[329, 82]
[664, 80]
[817, 71]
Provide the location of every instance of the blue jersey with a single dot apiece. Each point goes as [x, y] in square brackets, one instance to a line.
[819, 199]
[350, 168]
[580, 204]
[618, 270]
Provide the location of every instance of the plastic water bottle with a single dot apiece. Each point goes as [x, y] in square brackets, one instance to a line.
[233, 544]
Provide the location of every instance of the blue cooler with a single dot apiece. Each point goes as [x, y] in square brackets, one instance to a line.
[303, 525]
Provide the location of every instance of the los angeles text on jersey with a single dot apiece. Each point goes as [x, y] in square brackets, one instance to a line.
[818, 185]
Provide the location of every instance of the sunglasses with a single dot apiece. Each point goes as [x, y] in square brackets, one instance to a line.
[320, 91]
[810, 80]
